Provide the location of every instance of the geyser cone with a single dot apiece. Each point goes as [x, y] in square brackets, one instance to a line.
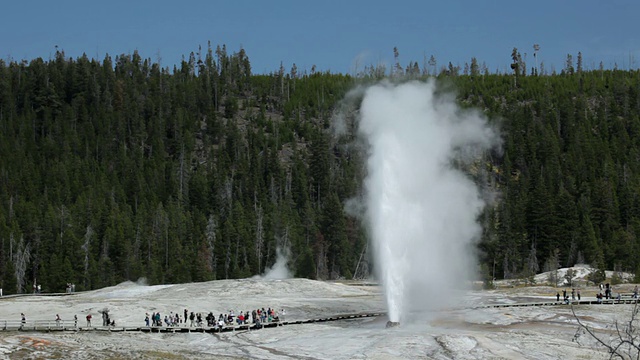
[422, 211]
[391, 324]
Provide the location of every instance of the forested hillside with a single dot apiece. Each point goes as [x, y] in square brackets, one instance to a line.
[117, 169]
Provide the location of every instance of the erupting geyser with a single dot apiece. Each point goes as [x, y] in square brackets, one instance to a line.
[421, 208]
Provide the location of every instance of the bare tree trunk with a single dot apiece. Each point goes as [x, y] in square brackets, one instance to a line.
[228, 191]
[287, 187]
[136, 245]
[259, 236]
[211, 240]
[227, 262]
[85, 248]
[10, 208]
[21, 260]
[321, 264]
[284, 240]
[11, 241]
[62, 218]
[273, 191]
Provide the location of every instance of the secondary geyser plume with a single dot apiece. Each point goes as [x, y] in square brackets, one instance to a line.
[279, 270]
[421, 209]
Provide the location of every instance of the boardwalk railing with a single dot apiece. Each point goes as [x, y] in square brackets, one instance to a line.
[48, 325]
[11, 296]
[39, 324]
[621, 301]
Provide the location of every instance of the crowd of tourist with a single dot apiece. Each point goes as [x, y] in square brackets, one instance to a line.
[256, 317]
[606, 293]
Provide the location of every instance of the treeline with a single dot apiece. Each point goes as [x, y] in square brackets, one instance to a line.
[118, 169]
[569, 176]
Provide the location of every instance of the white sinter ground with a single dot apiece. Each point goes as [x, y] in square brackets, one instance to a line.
[460, 332]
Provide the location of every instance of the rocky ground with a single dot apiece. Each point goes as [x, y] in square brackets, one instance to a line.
[463, 331]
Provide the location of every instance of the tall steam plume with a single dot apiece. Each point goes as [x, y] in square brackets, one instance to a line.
[421, 209]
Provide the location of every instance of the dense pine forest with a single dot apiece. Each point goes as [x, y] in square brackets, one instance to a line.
[118, 169]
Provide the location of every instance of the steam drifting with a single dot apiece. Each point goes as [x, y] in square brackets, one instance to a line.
[280, 269]
[421, 210]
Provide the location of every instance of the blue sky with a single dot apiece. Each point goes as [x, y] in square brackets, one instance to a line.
[333, 35]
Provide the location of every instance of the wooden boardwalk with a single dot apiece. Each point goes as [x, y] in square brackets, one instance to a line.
[72, 326]
[561, 303]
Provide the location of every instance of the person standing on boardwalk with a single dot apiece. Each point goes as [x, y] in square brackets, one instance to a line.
[89, 320]
[578, 294]
[23, 320]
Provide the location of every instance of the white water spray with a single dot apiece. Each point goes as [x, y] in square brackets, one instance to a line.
[421, 210]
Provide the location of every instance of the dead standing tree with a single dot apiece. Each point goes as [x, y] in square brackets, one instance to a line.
[21, 257]
[624, 341]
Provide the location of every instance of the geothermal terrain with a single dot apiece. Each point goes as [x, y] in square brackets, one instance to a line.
[460, 330]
